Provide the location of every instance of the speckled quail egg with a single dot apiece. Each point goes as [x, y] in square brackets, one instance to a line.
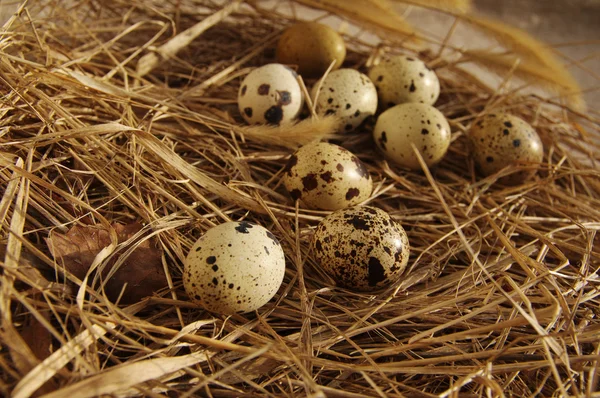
[326, 176]
[270, 94]
[404, 79]
[234, 267]
[412, 123]
[348, 94]
[312, 47]
[361, 248]
[499, 140]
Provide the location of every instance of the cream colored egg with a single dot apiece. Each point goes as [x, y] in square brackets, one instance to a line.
[234, 267]
[403, 125]
[499, 140]
[348, 94]
[270, 94]
[326, 176]
[404, 79]
[361, 248]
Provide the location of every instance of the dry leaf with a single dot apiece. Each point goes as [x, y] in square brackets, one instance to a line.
[33, 343]
[39, 342]
[142, 270]
[37, 337]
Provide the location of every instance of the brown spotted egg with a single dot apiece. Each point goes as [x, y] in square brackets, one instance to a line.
[361, 248]
[326, 176]
[234, 267]
[403, 125]
[270, 94]
[348, 94]
[499, 140]
[404, 79]
[312, 47]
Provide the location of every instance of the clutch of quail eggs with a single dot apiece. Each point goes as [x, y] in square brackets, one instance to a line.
[360, 247]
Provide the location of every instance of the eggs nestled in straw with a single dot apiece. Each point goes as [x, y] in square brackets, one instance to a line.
[348, 94]
[404, 79]
[312, 47]
[361, 248]
[499, 140]
[270, 94]
[421, 125]
[234, 267]
[326, 176]
[239, 266]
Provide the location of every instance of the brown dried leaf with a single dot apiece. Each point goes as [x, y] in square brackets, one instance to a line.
[35, 345]
[78, 247]
[37, 337]
[142, 270]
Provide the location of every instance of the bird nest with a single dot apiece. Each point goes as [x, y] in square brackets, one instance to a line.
[121, 144]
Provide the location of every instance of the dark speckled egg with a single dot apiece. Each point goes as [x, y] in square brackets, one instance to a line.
[234, 267]
[499, 140]
[361, 248]
[326, 176]
[270, 94]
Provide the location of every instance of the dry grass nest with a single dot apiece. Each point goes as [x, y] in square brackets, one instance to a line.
[500, 297]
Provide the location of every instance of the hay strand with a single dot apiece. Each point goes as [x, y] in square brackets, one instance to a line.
[563, 83]
[376, 14]
[537, 59]
[461, 6]
[149, 61]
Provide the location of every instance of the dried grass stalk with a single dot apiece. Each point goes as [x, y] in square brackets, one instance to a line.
[375, 14]
[563, 83]
[537, 60]
[461, 6]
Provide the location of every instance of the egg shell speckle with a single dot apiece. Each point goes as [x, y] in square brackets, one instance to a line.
[234, 267]
[312, 47]
[402, 79]
[361, 248]
[270, 94]
[326, 176]
[412, 123]
[348, 94]
[499, 140]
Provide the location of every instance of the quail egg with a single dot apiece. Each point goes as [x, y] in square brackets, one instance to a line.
[270, 94]
[404, 79]
[361, 248]
[412, 123]
[312, 47]
[326, 176]
[234, 267]
[348, 94]
[499, 140]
